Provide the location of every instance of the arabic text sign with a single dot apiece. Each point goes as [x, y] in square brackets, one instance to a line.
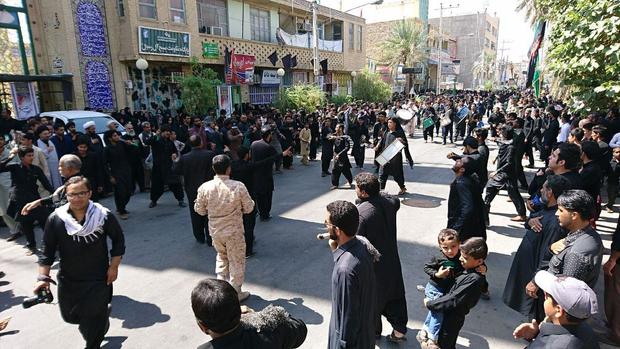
[163, 42]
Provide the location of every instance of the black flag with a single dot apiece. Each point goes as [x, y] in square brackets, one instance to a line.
[294, 61]
[323, 64]
[286, 61]
[273, 58]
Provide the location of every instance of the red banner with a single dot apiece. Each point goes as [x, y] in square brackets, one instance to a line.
[242, 69]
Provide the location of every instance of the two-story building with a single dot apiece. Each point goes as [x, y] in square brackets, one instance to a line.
[99, 42]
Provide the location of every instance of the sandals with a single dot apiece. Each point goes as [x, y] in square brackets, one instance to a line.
[392, 338]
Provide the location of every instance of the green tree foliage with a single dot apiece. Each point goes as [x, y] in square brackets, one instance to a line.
[299, 97]
[368, 86]
[583, 50]
[199, 90]
[406, 43]
[339, 100]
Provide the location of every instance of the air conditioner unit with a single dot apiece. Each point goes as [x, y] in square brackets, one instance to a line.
[215, 31]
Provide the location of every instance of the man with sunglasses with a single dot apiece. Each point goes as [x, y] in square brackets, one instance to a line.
[78, 231]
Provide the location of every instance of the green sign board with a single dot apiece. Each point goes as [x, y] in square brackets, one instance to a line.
[210, 50]
[154, 41]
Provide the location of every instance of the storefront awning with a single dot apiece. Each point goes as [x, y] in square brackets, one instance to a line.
[29, 78]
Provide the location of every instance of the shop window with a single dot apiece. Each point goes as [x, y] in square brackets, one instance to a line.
[177, 11]
[147, 8]
[260, 24]
[120, 7]
[212, 17]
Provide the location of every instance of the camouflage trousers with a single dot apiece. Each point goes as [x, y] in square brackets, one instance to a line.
[230, 259]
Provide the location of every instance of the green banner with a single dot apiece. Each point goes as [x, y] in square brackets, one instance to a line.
[154, 41]
[210, 50]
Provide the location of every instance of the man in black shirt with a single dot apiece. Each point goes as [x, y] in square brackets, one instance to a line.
[195, 167]
[163, 148]
[327, 149]
[352, 323]
[24, 189]
[78, 231]
[219, 315]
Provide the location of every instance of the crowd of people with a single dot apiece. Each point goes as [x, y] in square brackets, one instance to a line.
[225, 165]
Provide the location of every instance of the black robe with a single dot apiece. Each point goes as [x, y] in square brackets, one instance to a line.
[378, 224]
[465, 213]
[532, 255]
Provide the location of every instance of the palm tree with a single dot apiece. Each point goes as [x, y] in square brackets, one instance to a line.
[406, 44]
[532, 9]
[484, 64]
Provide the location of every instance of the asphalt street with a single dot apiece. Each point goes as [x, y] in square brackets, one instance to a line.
[151, 304]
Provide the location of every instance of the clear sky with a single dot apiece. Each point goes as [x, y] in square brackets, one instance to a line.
[513, 27]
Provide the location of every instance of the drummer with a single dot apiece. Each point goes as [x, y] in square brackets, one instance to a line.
[394, 167]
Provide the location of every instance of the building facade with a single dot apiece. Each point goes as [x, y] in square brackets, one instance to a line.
[476, 38]
[99, 42]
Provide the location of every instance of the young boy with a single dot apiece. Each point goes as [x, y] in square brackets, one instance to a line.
[442, 269]
[463, 295]
[305, 136]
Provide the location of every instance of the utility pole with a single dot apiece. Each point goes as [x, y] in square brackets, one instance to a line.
[503, 60]
[315, 39]
[441, 8]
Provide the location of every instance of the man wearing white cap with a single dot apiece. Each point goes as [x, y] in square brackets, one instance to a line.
[569, 302]
[95, 142]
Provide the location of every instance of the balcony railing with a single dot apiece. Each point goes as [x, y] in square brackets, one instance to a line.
[305, 41]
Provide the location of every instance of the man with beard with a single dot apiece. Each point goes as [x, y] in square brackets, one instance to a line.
[352, 323]
[116, 155]
[196, 169]
[377, 223]
[182, 129]
[92, 166]
[327, 148]
[163, 148]
[315, 134]
[137, 150]
[144, 136]
[62, 141]
[78, 231]
[533, 254]
[394, 167]
[465, 214]
[263, 154]
[91, 132]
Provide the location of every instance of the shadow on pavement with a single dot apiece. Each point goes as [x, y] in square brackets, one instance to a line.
[136, 314]
[293, 306]
[8, 300]
[113, 342]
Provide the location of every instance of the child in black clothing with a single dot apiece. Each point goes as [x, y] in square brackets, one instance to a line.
[462, 296]
[442, 269]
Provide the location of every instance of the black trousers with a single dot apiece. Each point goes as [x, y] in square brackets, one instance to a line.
[447, 130]
[200, 224]
[337, 170]
[449, 332]
[313, 146]
[395, 311]
[287, 161]
[249, 221]
[122, 192]
[510, 184]
[358, 154]
[520, 172]
[157, 187]
[137, 174]
[85, 303]
[612, 193]
[263, 201]
[428, 132]
[393, 170]
[326, 159]
[529, 151]
[25, 224]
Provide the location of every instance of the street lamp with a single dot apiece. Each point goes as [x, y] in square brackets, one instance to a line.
[142, 65]
[353, 75]
[280, 72]
[377, 2]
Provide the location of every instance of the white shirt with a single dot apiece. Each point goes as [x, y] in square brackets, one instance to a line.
[564, 132]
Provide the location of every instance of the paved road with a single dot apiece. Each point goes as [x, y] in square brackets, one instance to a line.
[151, 306]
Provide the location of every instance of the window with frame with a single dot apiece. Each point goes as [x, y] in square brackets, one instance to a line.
[147, 9]
[351, 36]
[260, 24]
[120, 7]
[359, 38]
[212, 17]
[177, 11]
